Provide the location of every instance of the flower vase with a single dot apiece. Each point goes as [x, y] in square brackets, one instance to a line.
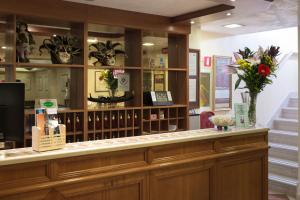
[112, 95]
[252, 109]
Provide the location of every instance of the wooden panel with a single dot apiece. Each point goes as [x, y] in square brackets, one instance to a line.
[242, 178]
[79, 166]
[178, 96]
[93, 14]
[133, 48]
[178, 51]
[197, 170]
[91, 196]
[10, 53]
[127, 187]
[240, 142]
[181, 151]
[36, 195]
[23, 174]
[190, 182]
[128, 191]
[77, 89]
[77, 31]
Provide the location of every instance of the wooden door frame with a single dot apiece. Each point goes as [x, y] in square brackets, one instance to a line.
[197, 77]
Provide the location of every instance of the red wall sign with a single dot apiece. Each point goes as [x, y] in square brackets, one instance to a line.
[207, 61]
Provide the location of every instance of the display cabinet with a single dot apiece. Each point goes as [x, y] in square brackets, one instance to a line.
[151, 57]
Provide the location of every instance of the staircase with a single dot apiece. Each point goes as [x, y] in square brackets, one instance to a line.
[283, 154]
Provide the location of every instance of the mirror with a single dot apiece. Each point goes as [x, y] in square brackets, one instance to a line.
[45, 83]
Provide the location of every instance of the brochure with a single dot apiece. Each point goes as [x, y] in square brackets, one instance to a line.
[241, 115]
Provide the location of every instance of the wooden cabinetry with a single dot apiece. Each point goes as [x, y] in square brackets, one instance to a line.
[187, 181]
[242, 177]
[72, 83]
[228, 168]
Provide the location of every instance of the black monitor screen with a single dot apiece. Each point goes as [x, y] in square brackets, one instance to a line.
[12, 112]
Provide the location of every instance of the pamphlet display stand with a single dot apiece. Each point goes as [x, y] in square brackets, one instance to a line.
[42, 142]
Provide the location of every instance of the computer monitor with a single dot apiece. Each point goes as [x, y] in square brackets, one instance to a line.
[12, 112]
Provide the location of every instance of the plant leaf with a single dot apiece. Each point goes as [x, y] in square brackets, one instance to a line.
[237, 83]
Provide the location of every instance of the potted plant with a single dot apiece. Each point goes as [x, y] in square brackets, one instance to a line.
[62, 49]
[110, 80]
[255, 69]
[24, 42]
[105, 53]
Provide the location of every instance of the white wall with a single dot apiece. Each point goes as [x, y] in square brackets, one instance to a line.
[219, 44]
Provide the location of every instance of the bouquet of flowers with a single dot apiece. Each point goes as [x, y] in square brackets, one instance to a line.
[255, 69]
[222, 120]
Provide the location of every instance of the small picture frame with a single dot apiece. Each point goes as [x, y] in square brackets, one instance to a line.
[241, 115]
[159, 82]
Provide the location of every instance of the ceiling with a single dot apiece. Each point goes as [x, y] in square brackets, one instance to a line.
[255, 15]
[169, 8]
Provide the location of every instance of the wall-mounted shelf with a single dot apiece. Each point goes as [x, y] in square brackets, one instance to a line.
[37, 65]
[113, 67]
[71, 84]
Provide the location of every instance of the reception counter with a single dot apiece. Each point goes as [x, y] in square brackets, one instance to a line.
[190, 165]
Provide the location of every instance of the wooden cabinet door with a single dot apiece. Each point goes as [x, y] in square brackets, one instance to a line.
[127, 187]
[186, 182]
[243, 178]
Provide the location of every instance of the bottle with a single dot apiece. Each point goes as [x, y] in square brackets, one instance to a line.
[98, 123]
[69, 124]
[90, 123]
[121, 121]
[135, 119]
[78, 124]
[129, 121]
[114, 121]
[106, 122]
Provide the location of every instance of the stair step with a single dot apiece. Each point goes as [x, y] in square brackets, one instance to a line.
[282, 184]
[283, 179]
[293, 102]
[283, 167]
[286, 124]
[283, 137]
[284, 152]
[289, 112]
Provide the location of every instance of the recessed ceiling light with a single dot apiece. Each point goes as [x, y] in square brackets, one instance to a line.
[233, 25]
[92, 40]
[3, 47]
[192, 22]
[228, 14]
[232, 0]
[148, 44]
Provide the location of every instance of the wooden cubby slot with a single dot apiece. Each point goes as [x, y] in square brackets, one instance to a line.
[71, 84]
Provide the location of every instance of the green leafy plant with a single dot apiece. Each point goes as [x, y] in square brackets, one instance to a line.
[105, 53]
[110, 80]
[255, 69]
[61, 48]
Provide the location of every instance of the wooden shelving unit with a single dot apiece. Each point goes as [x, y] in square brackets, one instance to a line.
[37, 65]
[129, 119]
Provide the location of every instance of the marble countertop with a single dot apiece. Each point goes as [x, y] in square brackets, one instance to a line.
[24, 155]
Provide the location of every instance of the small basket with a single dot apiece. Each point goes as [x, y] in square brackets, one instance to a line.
[42, 142]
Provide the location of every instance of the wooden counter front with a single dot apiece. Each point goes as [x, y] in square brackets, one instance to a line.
[222, 168]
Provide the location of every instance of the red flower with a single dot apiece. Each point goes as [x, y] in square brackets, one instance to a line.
[264, 70]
